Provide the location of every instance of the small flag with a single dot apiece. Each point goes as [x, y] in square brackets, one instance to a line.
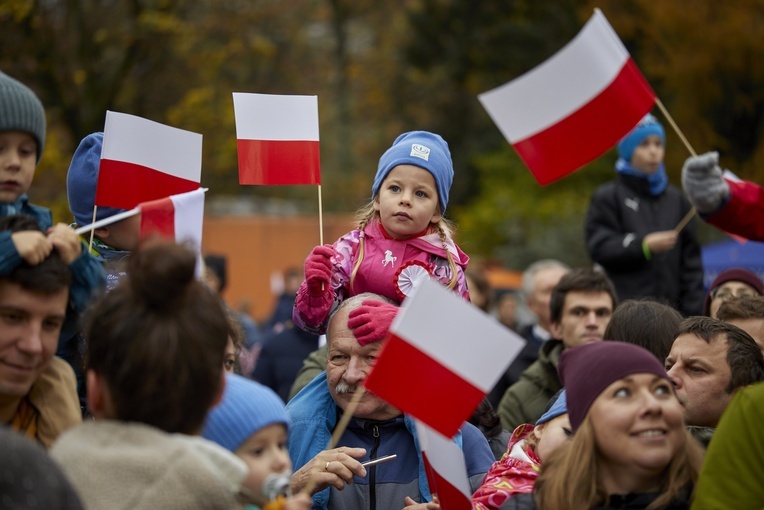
[277, 138]
[446, 469]
[573, 107]
[459, 353]
[178, 217]
[733, 180]
[142, 160]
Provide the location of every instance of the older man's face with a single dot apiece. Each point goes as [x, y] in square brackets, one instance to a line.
[348, 364]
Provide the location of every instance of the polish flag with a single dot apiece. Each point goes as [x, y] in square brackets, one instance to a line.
[142, 160]
[178, 217]
[277, 139]
[441, 357]
[575, 106]
[446, 469]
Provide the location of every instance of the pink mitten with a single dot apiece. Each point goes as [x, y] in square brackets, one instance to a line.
[318, 270]
[371, 321]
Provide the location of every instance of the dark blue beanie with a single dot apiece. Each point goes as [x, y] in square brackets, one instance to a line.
[425, 150]
[82, 179]
[649, 125]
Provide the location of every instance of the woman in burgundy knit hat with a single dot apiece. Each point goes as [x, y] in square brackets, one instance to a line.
[735, 282]
[630, 448]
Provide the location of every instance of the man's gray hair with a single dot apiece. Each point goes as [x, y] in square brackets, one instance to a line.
[354, 302]
[534, 268]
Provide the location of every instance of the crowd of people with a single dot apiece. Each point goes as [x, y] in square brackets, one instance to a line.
[126, 381]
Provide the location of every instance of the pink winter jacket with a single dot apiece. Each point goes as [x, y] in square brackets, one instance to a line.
[390, 268]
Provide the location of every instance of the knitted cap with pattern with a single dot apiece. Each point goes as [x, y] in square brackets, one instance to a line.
[21, 110]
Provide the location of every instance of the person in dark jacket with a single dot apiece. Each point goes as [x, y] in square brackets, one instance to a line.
[630, 449]
[631, 226]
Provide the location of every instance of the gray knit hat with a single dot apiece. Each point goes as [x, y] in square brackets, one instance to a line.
[21, 110]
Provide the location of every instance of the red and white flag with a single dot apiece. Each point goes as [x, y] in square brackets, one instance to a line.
[441, 357]
[446, 469]
[178, 217]
[573, 107]
[142, 160]
[277, 138]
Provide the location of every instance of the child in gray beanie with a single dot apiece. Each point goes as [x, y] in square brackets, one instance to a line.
[401, 237]
[22, 138]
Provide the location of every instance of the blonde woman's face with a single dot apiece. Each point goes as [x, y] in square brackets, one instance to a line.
[638, 426]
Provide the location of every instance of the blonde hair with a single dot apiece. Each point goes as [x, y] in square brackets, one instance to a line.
[443, 227]
[569, 478]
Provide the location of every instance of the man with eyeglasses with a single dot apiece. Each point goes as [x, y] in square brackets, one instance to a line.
[731, 283]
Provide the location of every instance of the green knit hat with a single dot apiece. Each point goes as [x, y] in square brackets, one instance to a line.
[21, 110]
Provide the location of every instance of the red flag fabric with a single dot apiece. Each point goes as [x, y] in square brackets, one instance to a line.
[457, 351]
[142, 160]
[178, 217]
[573, 107]
[446, 469]
[277, 139]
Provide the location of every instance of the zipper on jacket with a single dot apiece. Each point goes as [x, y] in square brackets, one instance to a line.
[373, 469]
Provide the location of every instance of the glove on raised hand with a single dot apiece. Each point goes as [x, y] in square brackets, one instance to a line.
[318, 270]
[702, 181]
[371, 321]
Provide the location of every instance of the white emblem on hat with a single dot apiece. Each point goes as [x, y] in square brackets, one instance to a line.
[420, 151]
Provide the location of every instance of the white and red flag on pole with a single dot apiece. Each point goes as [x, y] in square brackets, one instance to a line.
[441, 357]
[277, 138]
[446, 469]
[575, 106]
[177, 217]
[142, 160]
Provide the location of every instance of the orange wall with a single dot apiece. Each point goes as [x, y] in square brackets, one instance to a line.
[258, 246]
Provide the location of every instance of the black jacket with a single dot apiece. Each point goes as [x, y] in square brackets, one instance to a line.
[617, 502]
[622, 212]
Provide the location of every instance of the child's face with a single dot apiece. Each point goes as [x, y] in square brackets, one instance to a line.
[551, 435]
[18, 159]
[407, 201]
[265, 453]
[648, 155]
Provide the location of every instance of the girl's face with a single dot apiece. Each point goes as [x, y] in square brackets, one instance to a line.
[648, 155]
[638, 427]
[265, 453]
[552, 434]
[407, 201]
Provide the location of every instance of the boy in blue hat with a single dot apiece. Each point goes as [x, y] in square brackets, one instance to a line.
[630, 226]
[401, 237]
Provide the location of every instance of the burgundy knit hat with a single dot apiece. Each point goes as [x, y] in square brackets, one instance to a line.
[585, 371]
[735, 274]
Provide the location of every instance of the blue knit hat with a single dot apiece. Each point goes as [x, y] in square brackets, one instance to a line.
[425, 150]
[246, 408]
[557, 406]
[649, 125]
[21, 110]
[82, 179]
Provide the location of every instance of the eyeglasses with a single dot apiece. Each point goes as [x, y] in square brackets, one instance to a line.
[725, 294]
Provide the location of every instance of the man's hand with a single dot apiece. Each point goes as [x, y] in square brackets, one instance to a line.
[413, 505]
[659, 242]
[329, 468]
[33, 246]
[66, 242]
[702, 181]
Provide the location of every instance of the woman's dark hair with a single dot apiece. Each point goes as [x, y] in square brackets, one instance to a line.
[158, 341]
[647, 323]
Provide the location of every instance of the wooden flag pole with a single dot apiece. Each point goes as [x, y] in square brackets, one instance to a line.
[338, 430]
[320, 218]
[92, 232]
[687, 217]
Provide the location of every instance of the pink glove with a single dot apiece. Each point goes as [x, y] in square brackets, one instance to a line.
[318, 270]
[371, 321]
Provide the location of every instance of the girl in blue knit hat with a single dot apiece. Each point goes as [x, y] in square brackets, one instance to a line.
[631, 226]
[401, 238]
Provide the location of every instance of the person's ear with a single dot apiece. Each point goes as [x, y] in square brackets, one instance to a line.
[538, 430]
[98, 395]
[437, 216]
[375, 202]
[102, 233]
[555, 330]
